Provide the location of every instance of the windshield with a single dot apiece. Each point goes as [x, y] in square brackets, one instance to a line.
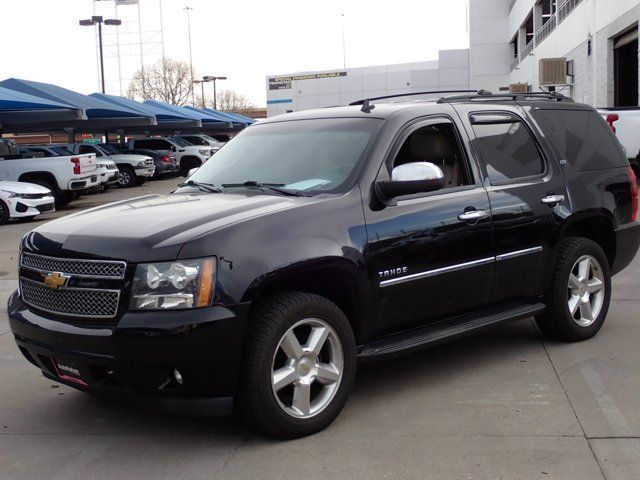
[307, 155]
[64, 151]
[110, 149]
[181, 142]
[211, 140]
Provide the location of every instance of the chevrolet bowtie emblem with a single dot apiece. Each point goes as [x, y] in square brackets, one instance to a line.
[56, 280]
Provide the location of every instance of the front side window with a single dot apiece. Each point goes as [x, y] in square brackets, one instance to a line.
[508, 150]
[318, 155]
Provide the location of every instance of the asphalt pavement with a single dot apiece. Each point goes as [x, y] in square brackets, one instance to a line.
[506, 404]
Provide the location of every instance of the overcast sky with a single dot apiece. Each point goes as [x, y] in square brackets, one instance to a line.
[244, 40]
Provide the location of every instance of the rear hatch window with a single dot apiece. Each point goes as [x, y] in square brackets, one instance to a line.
[582, 138]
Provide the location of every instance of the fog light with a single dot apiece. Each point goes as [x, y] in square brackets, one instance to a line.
[177, 377]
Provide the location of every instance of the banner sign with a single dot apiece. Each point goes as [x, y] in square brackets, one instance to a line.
[283, 83]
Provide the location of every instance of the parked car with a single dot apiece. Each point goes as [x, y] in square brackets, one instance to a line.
[165, 164]
[324, 237]
[187, 155]
[108, 173]
[202, 139]
[23, 200]
[133, 169]
[64, 174]
[625, 123]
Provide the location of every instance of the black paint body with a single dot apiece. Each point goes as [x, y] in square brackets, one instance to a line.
[338, 245]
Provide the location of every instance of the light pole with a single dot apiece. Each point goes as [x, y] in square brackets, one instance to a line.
[213, 79]
[98, 20]
[193, 97]
[201, 82]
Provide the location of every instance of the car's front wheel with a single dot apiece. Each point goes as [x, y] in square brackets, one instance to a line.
[299, 367]
[579, 296]
[4, 213]
[127, 177]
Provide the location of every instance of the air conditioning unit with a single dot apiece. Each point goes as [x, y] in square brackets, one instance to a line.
[519, 88]
[553, 71]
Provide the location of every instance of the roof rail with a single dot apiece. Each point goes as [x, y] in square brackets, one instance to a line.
[398, 95]
[555, 96]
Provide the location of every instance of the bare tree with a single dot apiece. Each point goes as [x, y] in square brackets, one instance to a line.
[231, 101]
[167, 80]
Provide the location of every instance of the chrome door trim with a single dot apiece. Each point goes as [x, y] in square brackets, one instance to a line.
[459, 266]
[437, 271]
[518, 253]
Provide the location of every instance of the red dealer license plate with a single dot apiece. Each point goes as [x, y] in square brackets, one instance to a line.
[69, 371]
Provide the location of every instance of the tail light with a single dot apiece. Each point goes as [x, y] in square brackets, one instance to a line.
[76, 166]
[166, 159]
[634, 193]
[611, 119]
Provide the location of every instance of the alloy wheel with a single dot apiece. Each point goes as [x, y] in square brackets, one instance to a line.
[124, 178]
[307, 368]
[586, 290]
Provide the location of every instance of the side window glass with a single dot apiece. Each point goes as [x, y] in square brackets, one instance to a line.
[507, 150]
[86, 149]
[436, 144]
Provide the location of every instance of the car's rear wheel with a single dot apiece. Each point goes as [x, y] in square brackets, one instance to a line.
[300, 365]
[579, 296]
[127, 177]
[4, 213]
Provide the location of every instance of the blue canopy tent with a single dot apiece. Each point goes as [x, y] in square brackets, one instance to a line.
[241, 118]
[100, 115]
[233, 117]
[195, 113]
[18, 110]
[211, 119]
[166, 120]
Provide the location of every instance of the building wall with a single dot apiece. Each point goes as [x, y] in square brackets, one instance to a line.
[340, 87]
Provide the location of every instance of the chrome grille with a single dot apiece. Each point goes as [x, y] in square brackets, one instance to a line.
[75, 302]
[85, 268]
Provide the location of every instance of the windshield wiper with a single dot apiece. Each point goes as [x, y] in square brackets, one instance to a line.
[274, 187]
[209, 187]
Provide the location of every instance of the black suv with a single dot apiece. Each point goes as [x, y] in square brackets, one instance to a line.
[320, 238]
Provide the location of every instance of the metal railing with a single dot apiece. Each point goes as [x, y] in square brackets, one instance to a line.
[566, 8]
[515, 62]
[546, 29]
[526, 51]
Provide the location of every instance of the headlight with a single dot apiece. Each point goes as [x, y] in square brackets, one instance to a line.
[173, 285]
[20, 195]
[143, 163]
[205, 152]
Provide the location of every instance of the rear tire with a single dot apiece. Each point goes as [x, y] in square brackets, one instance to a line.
[579, 296]
[290, 389]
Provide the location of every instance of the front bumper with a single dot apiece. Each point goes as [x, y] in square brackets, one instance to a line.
[163, 168]
[627, 244]
[138, 356]
[146, 172]
[28, 207]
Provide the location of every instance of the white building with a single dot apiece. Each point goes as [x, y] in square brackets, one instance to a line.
[306, 90]
[586, 49]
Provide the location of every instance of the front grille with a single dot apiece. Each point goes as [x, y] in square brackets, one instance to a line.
[75, 302]
[47, 207]
[86, 268]
[149, 162]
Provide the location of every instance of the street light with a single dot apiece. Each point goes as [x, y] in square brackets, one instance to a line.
[98, 20]
[213, 79]
[201, 82]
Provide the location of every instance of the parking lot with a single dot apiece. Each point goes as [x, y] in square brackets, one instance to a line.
[507, 404]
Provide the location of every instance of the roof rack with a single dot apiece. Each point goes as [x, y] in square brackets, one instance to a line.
[555, 96]
[398, 95]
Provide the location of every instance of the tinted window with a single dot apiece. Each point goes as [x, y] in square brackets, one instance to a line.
[64, 151]
[508, 151]
[181, 142]
[152, 144]
[195, 140]
[87, 149]
[582, 138]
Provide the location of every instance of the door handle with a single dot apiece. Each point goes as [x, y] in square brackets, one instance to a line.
[552, 200]
[473, 215]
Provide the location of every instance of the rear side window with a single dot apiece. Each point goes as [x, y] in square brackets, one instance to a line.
[582, 138]
[507, 149]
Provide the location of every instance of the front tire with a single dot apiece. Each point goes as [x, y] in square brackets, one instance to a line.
[580, 293]
[4, 213]
[300, 365]
[127, 177]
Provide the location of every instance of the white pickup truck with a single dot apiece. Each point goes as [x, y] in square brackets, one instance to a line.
[625, 123]
[189, 156]
[64, 175]
[134, 169]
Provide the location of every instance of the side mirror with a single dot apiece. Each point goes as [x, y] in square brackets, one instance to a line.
[173, 148]
[410, 178]
[192, 171]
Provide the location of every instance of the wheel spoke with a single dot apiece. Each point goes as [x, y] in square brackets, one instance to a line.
[574, 303]
[574, 282]
[291, 346]
[327, 374]
[585, 311]
[302, 398]
[583, 269]
[283, 376]
[317, 337]
[594, 285]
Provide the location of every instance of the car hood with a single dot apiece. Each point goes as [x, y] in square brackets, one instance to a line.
[22, 187]
[150, 228]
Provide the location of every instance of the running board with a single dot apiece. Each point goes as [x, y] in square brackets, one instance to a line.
[428, 336]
